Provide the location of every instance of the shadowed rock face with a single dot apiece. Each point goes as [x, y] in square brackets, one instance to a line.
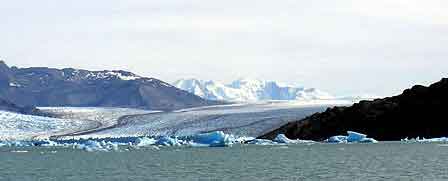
[419, 111]
[40, 86]
[8, 106]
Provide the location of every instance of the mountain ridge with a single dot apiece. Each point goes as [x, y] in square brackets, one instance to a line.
[42, 86]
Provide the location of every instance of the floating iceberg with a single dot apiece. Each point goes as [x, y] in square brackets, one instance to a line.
[212, 139]
[168, 141]
[281, 138]
[353, 137]
[368, 140]
[337, 139]
[91, 146]
[145, 141]
[262, 142]
[217, 138]
[16, 143]
[424, 140]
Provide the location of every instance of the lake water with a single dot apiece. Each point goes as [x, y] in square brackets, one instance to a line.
[395, 161]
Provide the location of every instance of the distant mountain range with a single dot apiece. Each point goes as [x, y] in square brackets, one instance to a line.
[42, 86]
[248, 90]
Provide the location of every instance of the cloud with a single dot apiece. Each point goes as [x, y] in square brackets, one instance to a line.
[342, 46]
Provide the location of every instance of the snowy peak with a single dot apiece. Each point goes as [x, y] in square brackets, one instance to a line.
[248, 90]
[240, 83]
[78, 74]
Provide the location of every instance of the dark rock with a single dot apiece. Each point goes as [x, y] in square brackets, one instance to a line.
[11, 107]
[41, 86]
[419, 111]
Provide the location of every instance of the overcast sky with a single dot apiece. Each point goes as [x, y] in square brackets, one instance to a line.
[342, 46]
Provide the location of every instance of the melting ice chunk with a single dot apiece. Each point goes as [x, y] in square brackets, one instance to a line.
[281, 138]
[337, 139]
[217, 138]
[262, 142]
[168, 141]
[145, 141]
[352, 137]
[355, 137]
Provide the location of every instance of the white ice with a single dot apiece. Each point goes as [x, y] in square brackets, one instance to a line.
[250, 120]
[281, 138]
[424, 140]
[14, 126]
[351, 138]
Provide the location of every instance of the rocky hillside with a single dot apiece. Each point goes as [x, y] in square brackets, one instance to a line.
[41, 86]
[11, 107]
[418, 112]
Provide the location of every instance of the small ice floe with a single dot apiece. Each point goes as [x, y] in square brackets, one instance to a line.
[262, 142]
[92, 146]
[145, 141]
[168, 141]
[19, 151]
[353, 137]
[281, 138]
[424, 140]
[16, 143]
[214, 139]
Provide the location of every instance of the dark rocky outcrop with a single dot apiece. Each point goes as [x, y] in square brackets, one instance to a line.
[419, 111]
[11, 107]
[41, 86]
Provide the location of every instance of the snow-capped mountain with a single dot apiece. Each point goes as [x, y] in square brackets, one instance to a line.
[248, 90]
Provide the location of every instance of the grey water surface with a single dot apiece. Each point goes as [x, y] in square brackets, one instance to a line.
[383, 161]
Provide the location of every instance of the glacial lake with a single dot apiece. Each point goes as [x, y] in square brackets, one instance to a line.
[386, 160]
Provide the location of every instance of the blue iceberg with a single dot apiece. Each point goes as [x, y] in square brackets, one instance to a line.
[217, 138]
[337, 139]
[145, 141]
[168, 141]
[353, 137]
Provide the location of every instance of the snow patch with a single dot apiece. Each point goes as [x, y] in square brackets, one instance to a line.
[112, 74]
[12, 84]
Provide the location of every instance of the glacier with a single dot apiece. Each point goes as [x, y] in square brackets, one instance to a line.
[15, 126]
[249, 120]
[121, 129]
[249, 90]
[243, 120]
